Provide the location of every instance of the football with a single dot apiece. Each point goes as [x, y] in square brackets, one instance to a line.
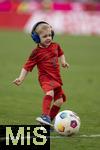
[67, 123]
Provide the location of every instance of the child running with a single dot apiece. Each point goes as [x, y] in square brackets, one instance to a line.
[46, 57]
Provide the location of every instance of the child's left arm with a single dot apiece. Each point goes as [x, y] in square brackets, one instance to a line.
[63, 61]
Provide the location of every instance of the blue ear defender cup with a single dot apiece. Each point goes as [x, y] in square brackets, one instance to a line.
[35, 35]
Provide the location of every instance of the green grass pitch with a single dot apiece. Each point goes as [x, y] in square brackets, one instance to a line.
[21, 105]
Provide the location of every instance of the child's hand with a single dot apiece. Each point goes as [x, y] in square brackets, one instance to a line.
[17, 81]
[21, 77]
[65, 64]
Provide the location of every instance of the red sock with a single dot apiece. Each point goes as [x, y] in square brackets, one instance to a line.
[53, 112]
[46, 104]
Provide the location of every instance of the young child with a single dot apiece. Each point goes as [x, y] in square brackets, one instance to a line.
[45, 56]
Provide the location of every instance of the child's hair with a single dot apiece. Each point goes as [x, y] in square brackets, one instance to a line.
[42, 27]
[38, 28]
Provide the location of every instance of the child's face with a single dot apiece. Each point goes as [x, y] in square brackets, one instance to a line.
[46, 37]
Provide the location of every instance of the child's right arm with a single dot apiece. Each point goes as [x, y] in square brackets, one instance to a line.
[21, 77]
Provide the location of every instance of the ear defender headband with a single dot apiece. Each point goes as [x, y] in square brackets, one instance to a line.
[35, 35]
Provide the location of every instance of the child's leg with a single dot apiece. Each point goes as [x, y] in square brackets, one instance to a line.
[59, 99]
[45, 118]
[55, 108]
[47, 102]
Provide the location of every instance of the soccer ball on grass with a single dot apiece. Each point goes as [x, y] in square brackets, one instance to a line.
[67, 123]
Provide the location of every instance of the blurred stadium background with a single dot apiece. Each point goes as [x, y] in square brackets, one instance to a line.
[66, 16]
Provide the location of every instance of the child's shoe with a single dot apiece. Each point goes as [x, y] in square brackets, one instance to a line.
[44, 119]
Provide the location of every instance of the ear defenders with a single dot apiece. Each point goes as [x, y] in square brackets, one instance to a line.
[35, 35]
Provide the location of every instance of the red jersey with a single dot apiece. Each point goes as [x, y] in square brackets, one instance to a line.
[47, 63]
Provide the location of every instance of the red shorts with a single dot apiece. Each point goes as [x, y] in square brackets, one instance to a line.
[58, 92]
[48, 85]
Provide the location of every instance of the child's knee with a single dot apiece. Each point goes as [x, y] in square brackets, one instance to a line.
[59, 102]
[51, 93]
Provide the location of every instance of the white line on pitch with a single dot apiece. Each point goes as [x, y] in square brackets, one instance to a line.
[60, 137]
[77, 136]
[92, 135]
